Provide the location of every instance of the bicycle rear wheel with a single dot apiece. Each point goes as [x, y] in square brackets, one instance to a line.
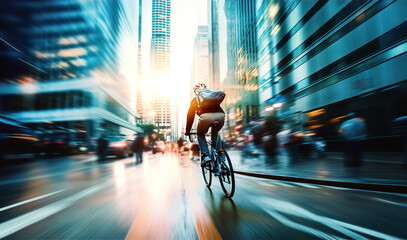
[207, 174]
[227, 176]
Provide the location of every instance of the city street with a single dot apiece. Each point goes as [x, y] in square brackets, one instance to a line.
[307, 97]
[164, 197]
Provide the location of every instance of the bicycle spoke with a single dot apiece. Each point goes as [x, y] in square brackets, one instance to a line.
[207, 174]
[227, 179]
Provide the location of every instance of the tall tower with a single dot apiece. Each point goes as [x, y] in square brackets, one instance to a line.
[200, 62]
[139, 93]
[160, 64]
[213, 43]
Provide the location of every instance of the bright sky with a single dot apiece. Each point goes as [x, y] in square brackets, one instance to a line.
[186, 15]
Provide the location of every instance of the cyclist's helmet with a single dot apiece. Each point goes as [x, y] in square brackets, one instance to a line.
[198, 86]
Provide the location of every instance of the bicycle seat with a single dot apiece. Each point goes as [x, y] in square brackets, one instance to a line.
[215, 124]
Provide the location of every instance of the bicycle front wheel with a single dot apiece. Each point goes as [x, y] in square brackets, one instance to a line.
[227, 176]
[207, 174]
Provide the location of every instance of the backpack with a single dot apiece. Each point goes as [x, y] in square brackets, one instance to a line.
[209, 98]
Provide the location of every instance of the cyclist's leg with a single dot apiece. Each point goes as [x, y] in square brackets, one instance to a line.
[203, 125]
[220, 118]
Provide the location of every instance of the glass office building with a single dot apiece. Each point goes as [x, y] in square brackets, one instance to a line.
[320, 60]
[200, 61]
[241, 79]
[61, 75]
[160, 58]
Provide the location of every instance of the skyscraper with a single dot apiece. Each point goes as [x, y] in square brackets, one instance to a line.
[321, 60]
[200, 62]
[139, 91]
[247, 60]
[241, 104]
[213, 43]
[63, 77]
[231, 81]
[160, 64]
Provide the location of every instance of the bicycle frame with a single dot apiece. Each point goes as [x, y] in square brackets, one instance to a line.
[214, 156]
[218, 161]
[219, 166]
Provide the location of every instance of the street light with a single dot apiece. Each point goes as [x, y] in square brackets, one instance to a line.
[277, 105]
[29, 88]
[28, 85]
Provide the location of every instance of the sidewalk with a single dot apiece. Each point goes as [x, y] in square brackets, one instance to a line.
[378, 168]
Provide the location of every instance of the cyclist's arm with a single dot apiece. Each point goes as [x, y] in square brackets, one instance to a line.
[191, 115]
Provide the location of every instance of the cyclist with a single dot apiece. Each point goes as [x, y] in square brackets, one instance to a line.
[207, 116]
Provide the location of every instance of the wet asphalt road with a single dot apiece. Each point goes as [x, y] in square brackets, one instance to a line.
[76, 197]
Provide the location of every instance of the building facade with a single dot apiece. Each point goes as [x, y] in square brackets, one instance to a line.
[240, 84]
[324, 59]
[139, 82]
[213, 43]
[247, 110]
[231, 83]
[160, 57]
[200, 62]
[63, 76]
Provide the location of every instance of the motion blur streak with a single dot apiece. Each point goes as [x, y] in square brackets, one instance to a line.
[203, 222]
[18, 223]
[300, 227]
[153, 220]
[297, 211]
[94, 96]
[29, 200]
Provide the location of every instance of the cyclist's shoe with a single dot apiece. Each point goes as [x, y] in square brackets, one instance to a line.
[205, 160]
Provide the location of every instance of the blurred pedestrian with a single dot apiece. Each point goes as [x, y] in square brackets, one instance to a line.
[172, 147]
[353, 130]
[319, 146]
[180, 143]
[283, 137]
[102, 145]
[138, 147]
[293, 143]
[257, 133]
[195, 147]
[271, 127]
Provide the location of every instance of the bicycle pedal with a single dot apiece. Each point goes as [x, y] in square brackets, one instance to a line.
[221, 151]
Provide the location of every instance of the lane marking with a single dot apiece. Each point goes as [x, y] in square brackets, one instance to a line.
[153, 219]
[92, 159]
[29, 200]
[391, 202]
[203, 222]
[340, 226]
[306, 185]
[341, 188]
[23, 179]
[287, 222]
[16, 224]
[191, 183]
[283, 184]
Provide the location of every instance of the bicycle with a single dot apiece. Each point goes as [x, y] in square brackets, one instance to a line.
[220, 166]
